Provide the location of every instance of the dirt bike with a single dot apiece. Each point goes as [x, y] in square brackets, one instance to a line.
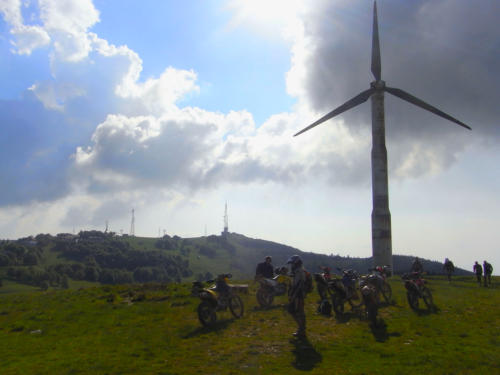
[277, 286]
[325, 292]
[344, 290]
[218, 297]
[415, 289]
[378, 279]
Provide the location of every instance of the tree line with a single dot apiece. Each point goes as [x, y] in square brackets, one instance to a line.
[92, 256]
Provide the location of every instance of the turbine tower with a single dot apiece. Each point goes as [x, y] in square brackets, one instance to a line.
[226, 225]
[381, 216]
[132, 224]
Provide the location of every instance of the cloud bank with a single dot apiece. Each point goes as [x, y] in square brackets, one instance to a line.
[99, 128]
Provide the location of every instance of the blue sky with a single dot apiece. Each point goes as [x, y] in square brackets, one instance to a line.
[237, 69]
[173, 108]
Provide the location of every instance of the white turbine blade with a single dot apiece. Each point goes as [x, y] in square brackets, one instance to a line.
[420, 103]
[358, 99]
[376, 64]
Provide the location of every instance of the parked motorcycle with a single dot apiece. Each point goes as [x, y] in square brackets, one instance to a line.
[325, 292]
[415, 289]
[269, 288]
[345, 289]
[378, 278]
[218, 297]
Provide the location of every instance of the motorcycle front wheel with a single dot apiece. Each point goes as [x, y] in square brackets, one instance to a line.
[236, 306]
[264, 298]
[206, 314]
[427, 296]
[412, 299]
[386, 292]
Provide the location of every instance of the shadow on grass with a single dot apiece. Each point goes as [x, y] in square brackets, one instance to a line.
[346, 316]
[380, 332]
[272, 307]
[383, 304]
[306, 357]
[427, 311]
[218, 326]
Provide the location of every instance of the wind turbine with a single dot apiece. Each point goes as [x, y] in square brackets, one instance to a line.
[381, 216]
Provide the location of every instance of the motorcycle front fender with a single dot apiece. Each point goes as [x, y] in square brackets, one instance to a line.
[208, 296]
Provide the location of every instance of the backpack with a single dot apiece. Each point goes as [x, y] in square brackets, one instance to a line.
[488, 268]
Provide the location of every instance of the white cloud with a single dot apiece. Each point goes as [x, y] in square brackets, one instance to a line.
[269, 18]
[26, 38]
[64, 23]
[68, 21]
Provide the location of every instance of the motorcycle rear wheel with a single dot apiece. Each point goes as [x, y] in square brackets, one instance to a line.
[427, 296]
[236, 306]
[206, 314]
[264, 298]
[412, 299]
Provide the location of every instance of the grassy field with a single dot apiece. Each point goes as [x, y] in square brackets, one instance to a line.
[153, 329]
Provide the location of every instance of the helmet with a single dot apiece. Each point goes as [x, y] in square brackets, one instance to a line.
[295, 260]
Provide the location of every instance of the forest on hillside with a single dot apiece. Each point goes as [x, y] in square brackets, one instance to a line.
[51, 261]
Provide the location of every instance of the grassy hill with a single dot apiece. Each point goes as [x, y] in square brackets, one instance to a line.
[153, 329]
[59, 261]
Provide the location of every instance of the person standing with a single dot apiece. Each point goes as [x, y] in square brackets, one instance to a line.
[488, 270]
[265, 269]
[449, 268]
[297, 294]
[478, 270]
[417, 266]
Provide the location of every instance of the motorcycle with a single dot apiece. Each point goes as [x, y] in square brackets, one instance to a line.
[344, 290]
[218, 297]
[415, 289]
[324, 291]
[269, 288]
[378, 279]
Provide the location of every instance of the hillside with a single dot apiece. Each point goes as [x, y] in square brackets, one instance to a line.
[153, 329]
[58, 261]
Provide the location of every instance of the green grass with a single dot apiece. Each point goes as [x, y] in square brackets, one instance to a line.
[153, 329]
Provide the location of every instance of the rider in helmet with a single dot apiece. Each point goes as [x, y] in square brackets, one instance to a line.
[297, 294]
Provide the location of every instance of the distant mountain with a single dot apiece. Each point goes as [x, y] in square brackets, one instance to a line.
[46, 260]
[253, 251]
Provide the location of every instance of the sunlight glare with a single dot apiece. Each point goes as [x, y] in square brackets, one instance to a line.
[271, 17]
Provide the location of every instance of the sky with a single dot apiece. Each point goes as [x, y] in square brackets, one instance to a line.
[174, 108]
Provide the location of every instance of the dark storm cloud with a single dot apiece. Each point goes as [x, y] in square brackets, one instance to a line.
[444, 52]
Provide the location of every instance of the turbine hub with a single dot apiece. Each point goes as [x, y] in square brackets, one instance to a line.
[378, 85]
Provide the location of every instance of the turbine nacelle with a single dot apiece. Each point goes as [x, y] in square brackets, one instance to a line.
[378, 85]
